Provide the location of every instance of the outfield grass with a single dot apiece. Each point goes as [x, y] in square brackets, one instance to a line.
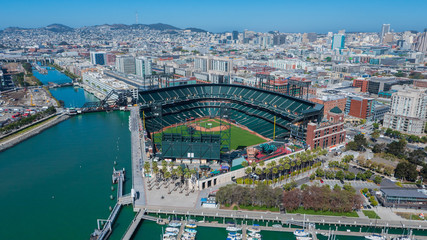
[301, 210]
[239, 137]
[371, 214]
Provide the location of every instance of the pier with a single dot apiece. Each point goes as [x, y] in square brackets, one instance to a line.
[134, 225]
[104, 232]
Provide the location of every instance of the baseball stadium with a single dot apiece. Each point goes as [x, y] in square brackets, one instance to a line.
[209, 121]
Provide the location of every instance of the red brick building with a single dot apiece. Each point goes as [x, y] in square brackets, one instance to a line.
[361, 107]
[328, 133]
[362, 84]
[330, 102]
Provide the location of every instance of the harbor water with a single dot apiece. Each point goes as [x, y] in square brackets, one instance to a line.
[58, 183]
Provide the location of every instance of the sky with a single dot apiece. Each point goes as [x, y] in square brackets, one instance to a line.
[319, 16]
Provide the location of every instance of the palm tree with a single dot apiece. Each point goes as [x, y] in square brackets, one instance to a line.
[164, 164]
[253, 165]
[248, 171]
[258, 171]
[298, 163]
[287, 160]
[281, 161]
[293, 164]
[146, 167]
[281, 168]
[245, 164]
[171, 164]
[266, 172]
[275, 171]
[262, 163]
[167, 175]
[287, 167]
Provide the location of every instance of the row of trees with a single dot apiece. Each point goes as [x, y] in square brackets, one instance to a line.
[322, 199]
[410, 138]
[168, 170]
[27, 120]
[376, 167]
[345, 175]
[261, 195]
[285, 166]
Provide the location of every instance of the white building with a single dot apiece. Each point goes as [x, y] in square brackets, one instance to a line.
[104, 84]
[125, 64]
[143, 66]
[408, 110]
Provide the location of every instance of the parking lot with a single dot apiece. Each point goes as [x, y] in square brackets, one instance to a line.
[356, 184]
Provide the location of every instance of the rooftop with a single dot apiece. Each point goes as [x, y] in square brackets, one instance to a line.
[396, 192]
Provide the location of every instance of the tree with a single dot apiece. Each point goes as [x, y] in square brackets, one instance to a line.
[397, 148]
[350, 176]
[245, 164]
[406, 170]
[360, 140]
[248, 170]
[258, 171]
[146, 167]
[377, 179]
[376, 134]
[376, 125]
[339, 175]
[379, 148]
[352, 146]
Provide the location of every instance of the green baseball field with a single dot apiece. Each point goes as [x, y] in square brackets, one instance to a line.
[240, 137]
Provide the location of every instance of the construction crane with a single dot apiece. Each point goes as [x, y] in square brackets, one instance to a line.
[32, 104]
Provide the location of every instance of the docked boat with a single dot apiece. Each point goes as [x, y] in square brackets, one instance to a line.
[254, 229]
[234, 236]
[304, 238]
[190, 230]
[169, 236]
[375, 237]
[300, 233]
[190, 225]
[172, 230]
[277, 226]
[188, 236]
[402, 238]
[174, 224]
[233, 228]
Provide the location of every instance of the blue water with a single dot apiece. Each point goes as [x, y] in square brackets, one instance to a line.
[52, 76]
[72, 96]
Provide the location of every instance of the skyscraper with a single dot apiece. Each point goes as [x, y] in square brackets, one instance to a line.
[98, 58]
[338, 41]
[384, 30]
[125, 64]
[235, 35]
[143, 66]
[421, 44]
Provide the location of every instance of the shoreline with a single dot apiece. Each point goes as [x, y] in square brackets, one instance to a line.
[18, 137]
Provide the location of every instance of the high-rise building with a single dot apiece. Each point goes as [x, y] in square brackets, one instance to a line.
[98, 58]
[384, 30]
[279, 39]
[421, 44]
[125, 64]
[143, 66]
[312, 37]
[235, 35]
[338, 41]
[408, 110]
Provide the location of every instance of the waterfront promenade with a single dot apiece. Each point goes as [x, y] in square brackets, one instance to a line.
[274, 217]
[18, 137]
[138, 157]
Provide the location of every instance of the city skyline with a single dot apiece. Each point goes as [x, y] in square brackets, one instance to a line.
[284, 16]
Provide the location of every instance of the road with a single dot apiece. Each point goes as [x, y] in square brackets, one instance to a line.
[284, 218]
[138, 156]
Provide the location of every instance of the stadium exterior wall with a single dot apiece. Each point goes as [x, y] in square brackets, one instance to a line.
[228, 177]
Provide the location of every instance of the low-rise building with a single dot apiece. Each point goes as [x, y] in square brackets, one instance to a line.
[329, 133]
